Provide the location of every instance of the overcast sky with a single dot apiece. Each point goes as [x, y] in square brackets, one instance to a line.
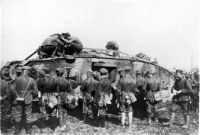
[164, 29]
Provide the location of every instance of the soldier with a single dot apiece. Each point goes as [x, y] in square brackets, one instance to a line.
[23, 89]
[89, 87]
[103, 96]
[73, 44]
[5, 99]
[52, 46]
[127, 86]
[151, 87]
[181, 100]
[194, 96]
[140, 104]
[62, 87]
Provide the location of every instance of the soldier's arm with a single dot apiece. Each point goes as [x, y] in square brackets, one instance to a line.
[83, 86]
[188, 88]
[159, 87]
[34, 87]
[134, 87]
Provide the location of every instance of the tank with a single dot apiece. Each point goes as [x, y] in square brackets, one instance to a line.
[93, 59]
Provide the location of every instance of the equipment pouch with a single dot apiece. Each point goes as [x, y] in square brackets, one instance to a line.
[20, 99]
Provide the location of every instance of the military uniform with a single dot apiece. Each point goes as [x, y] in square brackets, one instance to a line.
[151, 87]
[74, 46]
[24, 89]
[89, 87]
[63, 86]
[140, 104]
[5, 104]
[182, 98]
[127, 85]
[51, 46]
[103, 96]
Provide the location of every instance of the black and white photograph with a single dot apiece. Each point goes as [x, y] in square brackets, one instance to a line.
[99, 67]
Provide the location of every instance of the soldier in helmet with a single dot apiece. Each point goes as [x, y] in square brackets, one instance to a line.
[103, 96]
[127, 86]
[182, 98]
[151, 87]
[89, 87]
[23, 89]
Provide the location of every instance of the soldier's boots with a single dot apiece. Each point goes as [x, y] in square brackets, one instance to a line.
[17, 128]
[130, 118]
[28, 128]
[149, 119]
[187, 118]
[170, 123]
[123, 119]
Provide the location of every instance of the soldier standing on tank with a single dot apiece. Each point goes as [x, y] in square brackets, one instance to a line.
[62, 87]
[127, 87]
[181, 99]
[151, 87]
[89, 87]
[103, 96]
[23, 89]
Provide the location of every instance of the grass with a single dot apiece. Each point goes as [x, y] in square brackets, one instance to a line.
[139, 127]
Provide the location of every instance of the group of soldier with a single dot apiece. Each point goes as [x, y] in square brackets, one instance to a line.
[60, 45]
[129, 93]
[132, 96]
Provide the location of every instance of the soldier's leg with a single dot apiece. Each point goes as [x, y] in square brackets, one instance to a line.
[60, 115]
[64, 118]
[29, 118]
[174, 107]
[130, 117]
[186, 110]
[17, 115]
[123, 114]
[64, 114]
[103, 116]
[155, 111]
[149, 113]
[130, 114]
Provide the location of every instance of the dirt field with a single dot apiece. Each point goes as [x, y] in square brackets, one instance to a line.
[139, 127]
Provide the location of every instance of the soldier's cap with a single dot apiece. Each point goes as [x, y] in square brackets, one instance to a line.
[127, 68]
[148, 73]
[66, 34]
[33, 70]
[179, 71]
[90, 71]
[103, 71]
[60, 70]
[120, 69]
[46, 70]
[138, 72]
[41, 72]
[74, 72]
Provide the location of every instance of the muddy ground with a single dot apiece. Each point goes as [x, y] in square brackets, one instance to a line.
[139, 127]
